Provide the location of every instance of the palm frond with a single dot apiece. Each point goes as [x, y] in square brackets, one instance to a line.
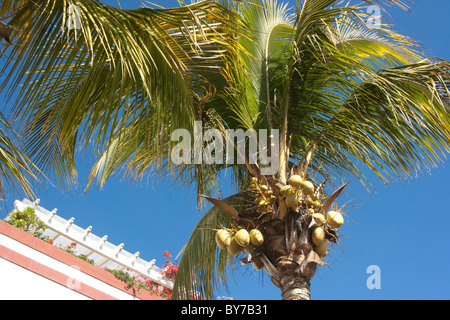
[204, 268]
[17, 172]
[82, 85]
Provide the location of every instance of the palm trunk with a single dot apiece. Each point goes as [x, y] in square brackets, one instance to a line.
[295, 287]
[289, 256]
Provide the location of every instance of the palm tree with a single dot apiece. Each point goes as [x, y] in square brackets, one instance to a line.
[341, 93]
[338, 92]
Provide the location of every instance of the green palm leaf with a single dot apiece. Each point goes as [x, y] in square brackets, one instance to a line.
[17, 172]
[82, 85]
[204, 268]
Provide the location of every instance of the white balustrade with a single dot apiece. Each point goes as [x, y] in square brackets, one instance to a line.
[98, 247]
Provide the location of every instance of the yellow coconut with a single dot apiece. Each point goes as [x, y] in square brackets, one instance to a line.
[268, 194]
[256, 237]
[287, 189]
[258, 200]
[307, 187]
[282, 209]
[318, 236]
[223, 238]
[263, 203]
[242, 237]
[292, 200]
[234, 248]
[295, 181]
[322, 249]
[335, 219]
[309, 202]
[319, 219]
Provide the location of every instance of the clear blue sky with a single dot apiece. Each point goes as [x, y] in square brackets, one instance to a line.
[403, 228]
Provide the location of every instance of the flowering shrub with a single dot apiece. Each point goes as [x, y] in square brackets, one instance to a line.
[28, 221]
[169, 269]
[71, 249]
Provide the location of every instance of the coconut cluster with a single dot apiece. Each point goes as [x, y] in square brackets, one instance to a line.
[238, 240]
[300, 193]
[272, 203]
[264, 197]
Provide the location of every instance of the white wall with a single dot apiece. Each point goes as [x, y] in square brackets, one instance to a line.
[17, 283]
[15, 280]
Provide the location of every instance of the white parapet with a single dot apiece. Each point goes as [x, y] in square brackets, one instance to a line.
[98, 249]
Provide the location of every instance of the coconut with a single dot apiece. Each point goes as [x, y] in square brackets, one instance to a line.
[256, 237]
[309, 202]
[307, 187]
[295, 181]
[258, 200]
[282, 209]
[318, 218]
[234, 248]
[287, 189]
[242, 237]
[263, 203]
[223, 238]
[318, 236]
[321, 249]
[292, 200]
[335, 219]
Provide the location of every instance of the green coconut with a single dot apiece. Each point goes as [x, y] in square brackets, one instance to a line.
[335, 219]
[322, 249]
[310, 202]
[307, 187]
[292, 200]
[287, 189]
[282, 209]
[318, 236]
[295, 181]
[234, 248]
[318, 218]
[242, 237]
[223, 238]
[256, 237]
